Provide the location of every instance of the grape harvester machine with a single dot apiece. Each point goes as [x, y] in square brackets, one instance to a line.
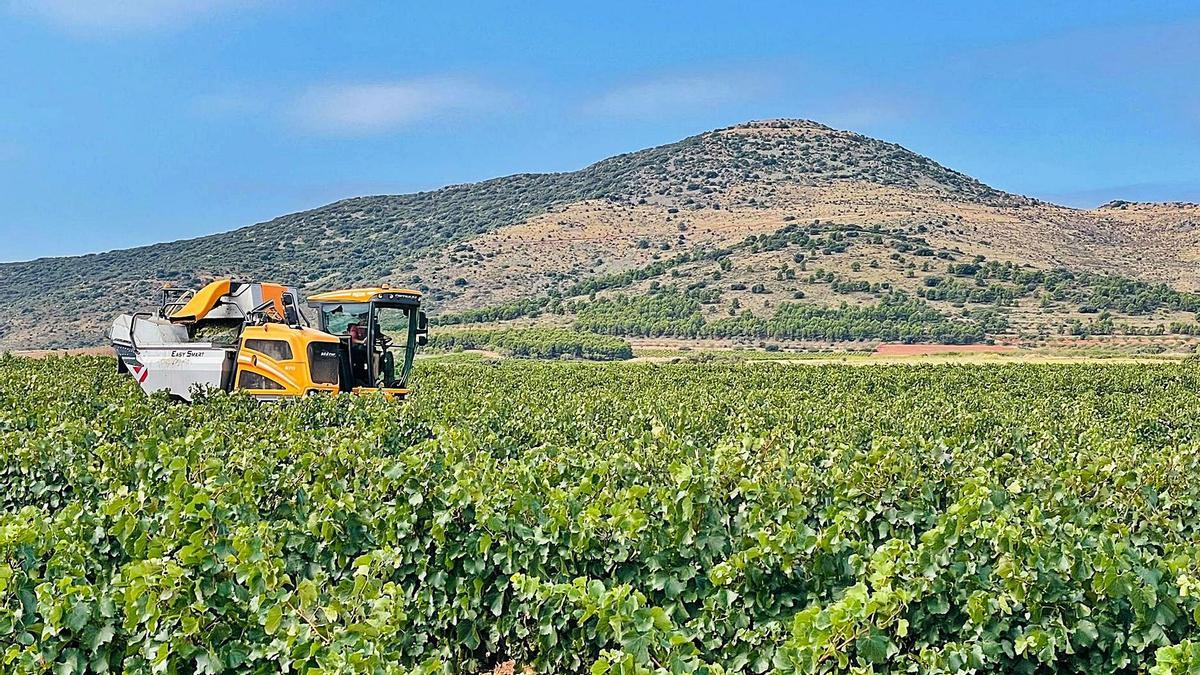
[249, 336]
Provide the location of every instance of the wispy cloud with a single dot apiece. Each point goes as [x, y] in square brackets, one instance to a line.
[127, 16]
[864, 110]
[676, 93]
[353, 109]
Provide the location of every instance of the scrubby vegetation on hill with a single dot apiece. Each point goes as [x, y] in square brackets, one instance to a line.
[348, 243]
[811, 239]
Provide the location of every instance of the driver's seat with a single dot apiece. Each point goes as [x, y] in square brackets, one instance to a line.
[360, 364]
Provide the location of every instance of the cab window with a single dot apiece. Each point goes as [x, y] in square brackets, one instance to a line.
[249, 380]
[338, 318]
[278, 350]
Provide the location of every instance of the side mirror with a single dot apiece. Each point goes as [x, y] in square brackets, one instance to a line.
[422, 329]
[291, 313]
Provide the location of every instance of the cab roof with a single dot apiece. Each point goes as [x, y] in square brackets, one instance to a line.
[359, 294]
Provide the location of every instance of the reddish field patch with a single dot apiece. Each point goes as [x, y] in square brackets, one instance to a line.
[900, 349]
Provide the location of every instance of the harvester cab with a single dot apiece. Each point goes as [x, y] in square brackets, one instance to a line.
[378, 329]
[252, 337]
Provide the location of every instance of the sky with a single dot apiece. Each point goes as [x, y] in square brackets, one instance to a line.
[130, 122]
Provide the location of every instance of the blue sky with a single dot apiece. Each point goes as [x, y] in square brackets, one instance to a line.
[135, 121]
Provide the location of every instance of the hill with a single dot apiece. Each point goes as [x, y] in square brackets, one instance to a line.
[848, 219]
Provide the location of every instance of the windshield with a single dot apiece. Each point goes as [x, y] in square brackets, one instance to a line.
[393, 324]
[391, 327]
[337, 319]
[393, 319]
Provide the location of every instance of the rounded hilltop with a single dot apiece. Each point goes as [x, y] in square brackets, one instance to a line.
[780, 123]
[778, 152]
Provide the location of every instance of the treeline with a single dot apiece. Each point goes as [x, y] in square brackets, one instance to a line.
[538, 343]
[896, 318]
[1092, 292]
[958, 292]
[665, 313]
[503, 312]
[1102, 292]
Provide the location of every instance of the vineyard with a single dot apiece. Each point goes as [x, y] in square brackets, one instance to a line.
[607, 518]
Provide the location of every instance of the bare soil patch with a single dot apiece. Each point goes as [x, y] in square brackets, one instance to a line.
[900, 349]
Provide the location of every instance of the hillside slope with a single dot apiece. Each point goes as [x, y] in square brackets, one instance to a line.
[478, 245]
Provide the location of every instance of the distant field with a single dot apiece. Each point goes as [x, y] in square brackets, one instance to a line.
[704, 517]
[920, 350]
[886, 353]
